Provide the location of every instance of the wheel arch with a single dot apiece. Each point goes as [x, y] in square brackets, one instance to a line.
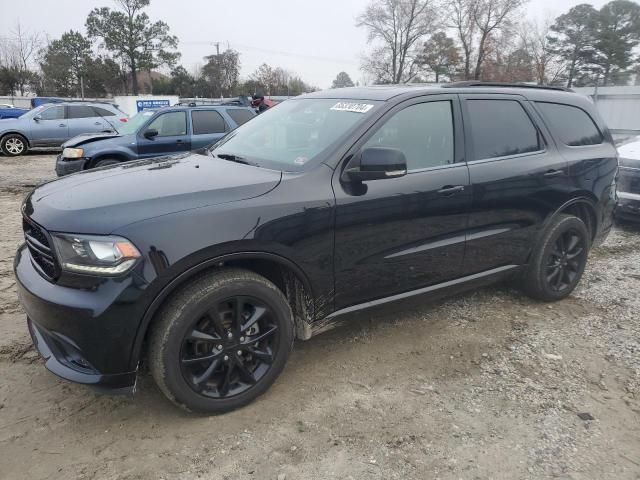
[15, 132]
[283, 272]
[103, 156]
[583, 207]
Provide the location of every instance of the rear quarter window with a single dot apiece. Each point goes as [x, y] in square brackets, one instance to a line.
[572, 125]
[240, 116]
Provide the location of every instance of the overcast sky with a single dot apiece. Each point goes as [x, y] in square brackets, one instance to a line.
[315, 39]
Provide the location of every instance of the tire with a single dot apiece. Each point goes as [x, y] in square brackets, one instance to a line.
[558, 261]
[13, 145]
[105, 162]
[196, 323]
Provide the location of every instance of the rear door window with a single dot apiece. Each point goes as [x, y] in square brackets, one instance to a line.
[501, 128]
[240, 116]
[81, 111]
[207, 121]
[571, 124]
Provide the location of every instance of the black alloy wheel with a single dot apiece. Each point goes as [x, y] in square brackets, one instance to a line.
[558, 260]
[564, 262]
[230, 348]
[221, 340]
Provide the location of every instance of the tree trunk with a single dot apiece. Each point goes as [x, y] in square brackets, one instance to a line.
[134, 77]
[572, 72]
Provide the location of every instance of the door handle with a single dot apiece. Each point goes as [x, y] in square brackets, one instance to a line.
[98, 123]
[62, 125]
[553, 173]
[178, 141]
[451, 189]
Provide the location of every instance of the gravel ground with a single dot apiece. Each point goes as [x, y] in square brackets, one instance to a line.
[486, 385]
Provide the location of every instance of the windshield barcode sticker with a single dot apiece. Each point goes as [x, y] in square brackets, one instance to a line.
[352, 107]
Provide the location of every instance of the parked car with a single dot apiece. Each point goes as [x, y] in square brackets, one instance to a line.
[9, 111]
[52, 125]
[210, 264]
[629, 181]
[152, 133]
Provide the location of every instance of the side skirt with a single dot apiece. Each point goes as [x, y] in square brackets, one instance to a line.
[439, 290]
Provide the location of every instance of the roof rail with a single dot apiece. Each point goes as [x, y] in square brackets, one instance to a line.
[476, 83]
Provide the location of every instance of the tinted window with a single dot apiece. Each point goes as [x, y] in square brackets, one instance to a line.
[572, 124]
[81, 111]
[170, 124]
[52, 113]
[103, 112]
[207, 121]
[423, 132]
[500, 128]
[240, 116]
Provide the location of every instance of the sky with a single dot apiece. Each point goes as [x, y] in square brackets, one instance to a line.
[314, 39]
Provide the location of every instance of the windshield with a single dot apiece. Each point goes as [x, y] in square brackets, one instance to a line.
[289, 135]
[135, 122]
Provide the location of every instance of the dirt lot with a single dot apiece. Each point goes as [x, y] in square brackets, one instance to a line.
[488, 385]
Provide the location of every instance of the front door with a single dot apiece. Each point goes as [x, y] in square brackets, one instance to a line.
[49, 128]
[172, 135]
[401, 234]
[518, 179]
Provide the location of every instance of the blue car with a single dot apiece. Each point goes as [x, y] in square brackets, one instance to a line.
[9, 111]
[50, 125]
[152, 133]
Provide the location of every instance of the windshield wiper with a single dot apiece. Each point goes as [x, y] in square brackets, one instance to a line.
[234, 158]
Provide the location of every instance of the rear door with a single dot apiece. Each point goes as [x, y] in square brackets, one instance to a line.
[49, 128]
[172, 135]
[401, 234]
[517, 177]
[207, 127]
[83, 119]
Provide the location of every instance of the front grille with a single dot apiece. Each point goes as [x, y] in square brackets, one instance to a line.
[39, 244]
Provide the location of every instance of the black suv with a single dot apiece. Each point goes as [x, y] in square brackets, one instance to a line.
[210, 264]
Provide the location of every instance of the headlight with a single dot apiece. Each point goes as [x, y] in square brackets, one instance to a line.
[95, 254]
[72, 153]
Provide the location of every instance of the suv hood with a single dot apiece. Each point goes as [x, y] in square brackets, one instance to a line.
[101, 200]
[88, 138]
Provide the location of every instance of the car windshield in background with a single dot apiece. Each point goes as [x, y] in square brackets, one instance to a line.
[135, 122]
[288, 136]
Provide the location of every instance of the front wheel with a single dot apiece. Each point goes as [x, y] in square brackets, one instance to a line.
[221, 341]
[13, 145]
[559, 260]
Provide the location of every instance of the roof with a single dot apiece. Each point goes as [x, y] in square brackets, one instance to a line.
[387, 92]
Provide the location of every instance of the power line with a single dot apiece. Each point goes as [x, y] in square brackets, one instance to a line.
[279, 52]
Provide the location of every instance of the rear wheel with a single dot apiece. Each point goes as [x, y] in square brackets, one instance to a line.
[13, 145]
[221, 341]
[559, 260]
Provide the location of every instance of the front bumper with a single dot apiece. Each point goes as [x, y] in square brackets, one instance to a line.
[68, 166]
[628, 207]
[85, 335]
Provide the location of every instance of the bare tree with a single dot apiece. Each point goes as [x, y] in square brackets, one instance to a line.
[535, 36]
[398, 25]
[17, 58]
[490, 16]
[462, 21]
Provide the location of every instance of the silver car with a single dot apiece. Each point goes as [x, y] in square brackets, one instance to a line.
[50, 125]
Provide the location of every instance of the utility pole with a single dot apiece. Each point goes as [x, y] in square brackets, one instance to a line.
[217, 44]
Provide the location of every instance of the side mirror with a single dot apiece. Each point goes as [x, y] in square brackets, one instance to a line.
[37, 118]
[375, 163]
[150, 133]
